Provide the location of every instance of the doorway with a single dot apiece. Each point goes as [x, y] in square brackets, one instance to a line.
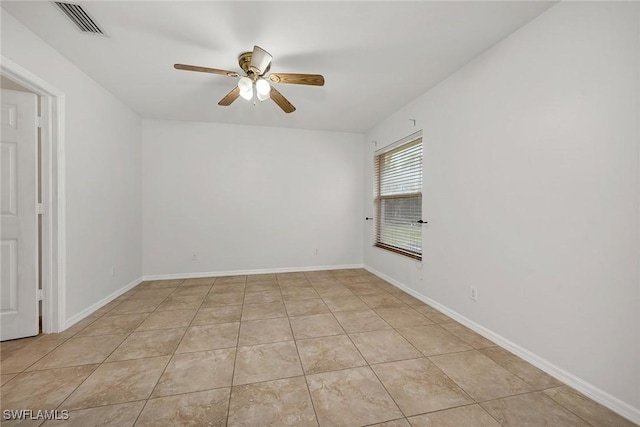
[49, 198]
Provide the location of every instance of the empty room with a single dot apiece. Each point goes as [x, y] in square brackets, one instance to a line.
[320, 213]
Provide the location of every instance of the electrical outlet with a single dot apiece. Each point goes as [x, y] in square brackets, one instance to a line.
[473, 294]
[194, 256]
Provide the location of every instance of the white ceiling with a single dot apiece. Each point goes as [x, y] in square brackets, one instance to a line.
[375, 56]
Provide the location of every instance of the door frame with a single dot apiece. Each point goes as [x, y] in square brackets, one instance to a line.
[54, 274]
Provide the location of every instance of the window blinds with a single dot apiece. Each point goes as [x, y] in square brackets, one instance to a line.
[398, 199]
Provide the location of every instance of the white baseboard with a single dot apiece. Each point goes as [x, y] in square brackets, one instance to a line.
[249, 272]
[104, 301]
[622, 408]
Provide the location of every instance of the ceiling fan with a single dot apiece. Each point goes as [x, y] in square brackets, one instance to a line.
[255, 84]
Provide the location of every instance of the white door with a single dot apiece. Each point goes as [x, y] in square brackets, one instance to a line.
[18, 228]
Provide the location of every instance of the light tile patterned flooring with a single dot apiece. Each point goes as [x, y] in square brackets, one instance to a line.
[328, 348]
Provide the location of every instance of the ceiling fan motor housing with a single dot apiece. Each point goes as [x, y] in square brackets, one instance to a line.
[244, 60]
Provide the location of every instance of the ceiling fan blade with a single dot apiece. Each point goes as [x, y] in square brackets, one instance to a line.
[282, 102]
[260, 60]
[205, 70]
[297, 79]
[230, 97]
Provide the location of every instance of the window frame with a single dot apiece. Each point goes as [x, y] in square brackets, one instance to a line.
[378, 198]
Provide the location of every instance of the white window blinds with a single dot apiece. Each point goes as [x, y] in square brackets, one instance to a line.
[398, 199]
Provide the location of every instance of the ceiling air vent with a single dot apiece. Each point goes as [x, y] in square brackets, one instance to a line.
[78, 16]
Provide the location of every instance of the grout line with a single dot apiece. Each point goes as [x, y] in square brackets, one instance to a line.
[24, 371]
[502, 365]
[456, 407]
[142, 409]
[368, 365]
[389, 421]
[568, 409]
[172, 355]
[304, 374]
[235, 358]
[146, 401]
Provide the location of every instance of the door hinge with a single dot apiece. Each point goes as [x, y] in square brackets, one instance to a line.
[40, 121]
[40, 294]
[39, 209]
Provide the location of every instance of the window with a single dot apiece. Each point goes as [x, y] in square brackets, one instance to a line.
[398, 197]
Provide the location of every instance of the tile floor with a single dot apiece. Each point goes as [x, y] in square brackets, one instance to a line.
[328, 348]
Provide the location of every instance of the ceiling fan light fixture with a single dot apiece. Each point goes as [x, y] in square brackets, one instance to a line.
[261, 96]
[247, 94]
[263, 87]
[245, 84]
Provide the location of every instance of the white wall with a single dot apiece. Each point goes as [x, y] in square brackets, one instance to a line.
[103, 177]
[249, 198]
[531, 193]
